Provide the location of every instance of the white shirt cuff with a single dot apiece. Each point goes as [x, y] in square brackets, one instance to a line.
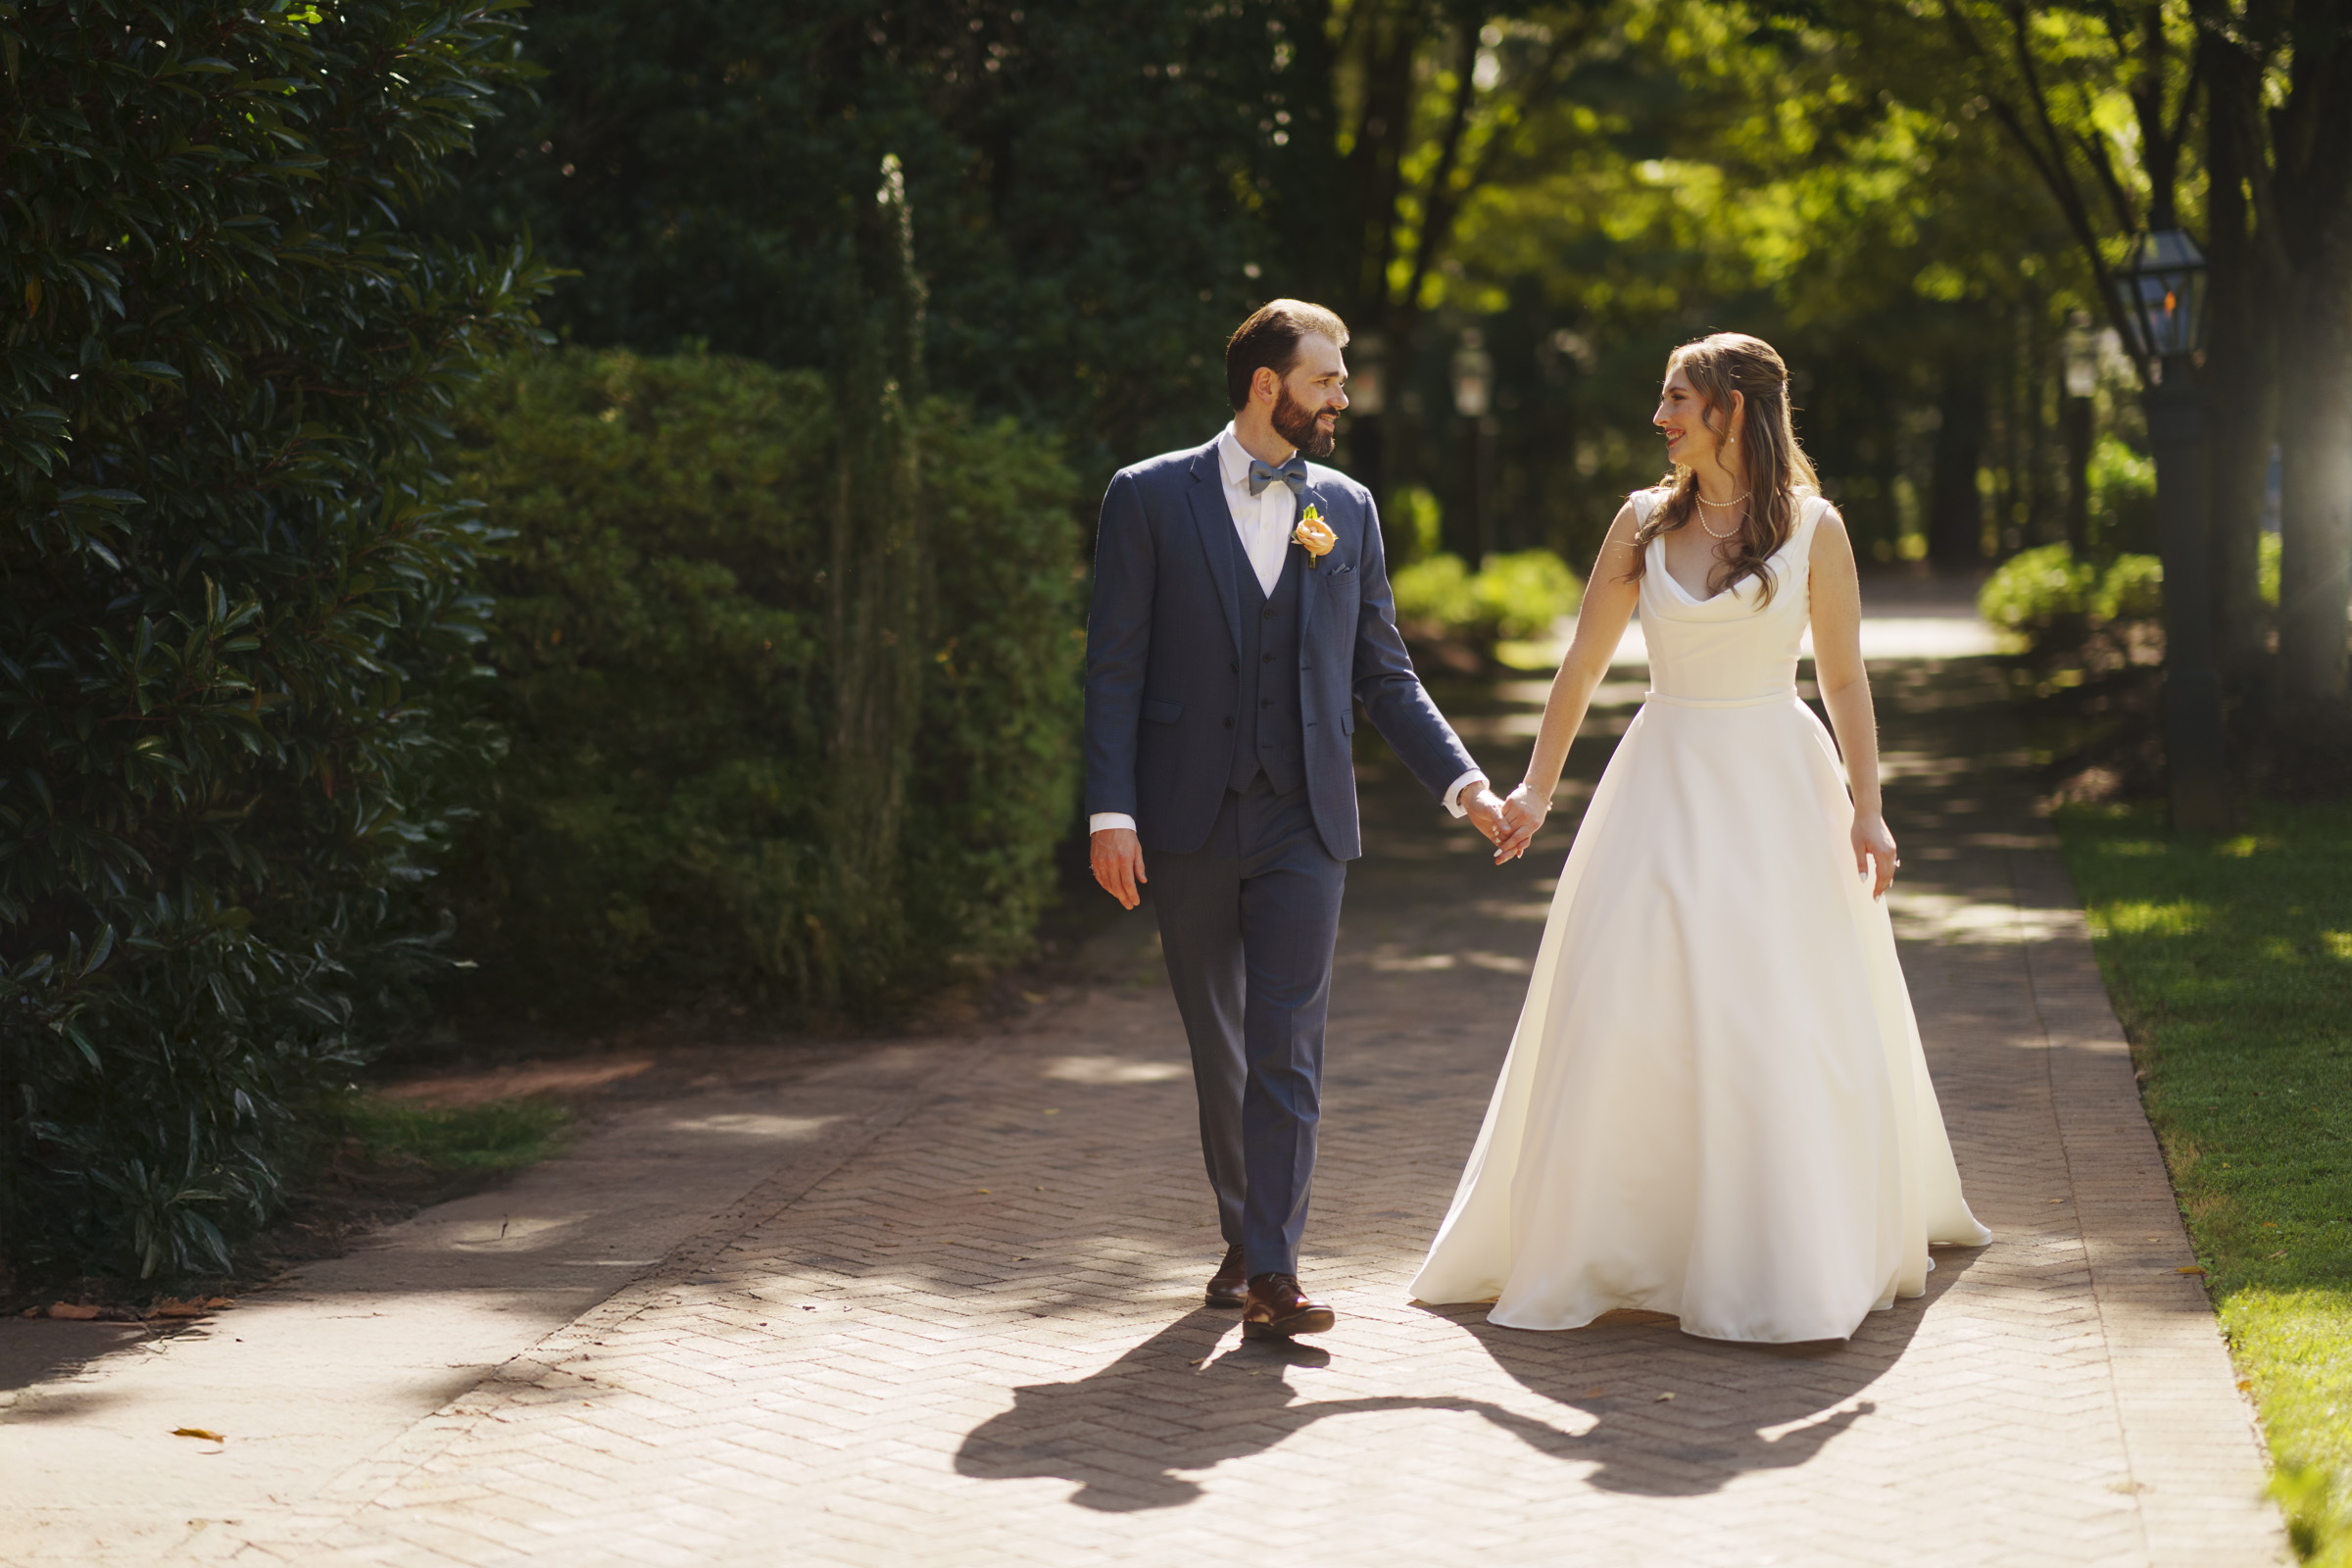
[1102, 822]
[1453, 793]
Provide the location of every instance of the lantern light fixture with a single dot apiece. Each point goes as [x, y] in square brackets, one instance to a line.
[1473, 375]
[2162, 292]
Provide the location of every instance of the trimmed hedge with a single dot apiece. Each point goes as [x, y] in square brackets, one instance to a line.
[663, 826]
[233, 583]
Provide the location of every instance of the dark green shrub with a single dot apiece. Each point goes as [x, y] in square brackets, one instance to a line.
[232, 580]
[1510, 598]
[2052, 601]
[663, 826]
[996, 756]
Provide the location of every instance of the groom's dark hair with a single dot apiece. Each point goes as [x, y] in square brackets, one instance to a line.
[1270, 339]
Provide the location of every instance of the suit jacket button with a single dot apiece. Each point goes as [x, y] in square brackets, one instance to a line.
[1265, 702]
[1237, 666]
[1229, 724]
[1269, 611]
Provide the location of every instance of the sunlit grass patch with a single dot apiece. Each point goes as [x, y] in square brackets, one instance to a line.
[2223, 955]
[495, 1135]
[2179, 917]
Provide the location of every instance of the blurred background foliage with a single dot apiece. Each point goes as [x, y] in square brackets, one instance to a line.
[1520, 208]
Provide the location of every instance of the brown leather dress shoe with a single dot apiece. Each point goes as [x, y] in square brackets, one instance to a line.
[1277, 1308]
[1225, 1286]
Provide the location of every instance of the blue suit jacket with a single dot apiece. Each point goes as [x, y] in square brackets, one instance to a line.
[1162, 650]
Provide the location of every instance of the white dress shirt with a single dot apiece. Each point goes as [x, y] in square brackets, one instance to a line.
[1264, 523]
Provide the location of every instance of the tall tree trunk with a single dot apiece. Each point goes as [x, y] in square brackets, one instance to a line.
[877, 579]
[2312, 197]
[2241, 366]
[1955, 508]
[2241, 406]
[1384, 446]
[2315, 500]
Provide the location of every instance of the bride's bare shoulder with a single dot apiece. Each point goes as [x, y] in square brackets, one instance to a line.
[1637, 507]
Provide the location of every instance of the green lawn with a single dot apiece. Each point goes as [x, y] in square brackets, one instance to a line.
[2230, 961]
[484, 1140]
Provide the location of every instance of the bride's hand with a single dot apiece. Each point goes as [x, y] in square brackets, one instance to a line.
[1523, 811]
[1872, 843]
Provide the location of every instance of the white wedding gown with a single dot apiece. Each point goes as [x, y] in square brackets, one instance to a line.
[1716, 1103]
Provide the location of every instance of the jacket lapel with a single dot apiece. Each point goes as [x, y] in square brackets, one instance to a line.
[1307, 580]
[1212, 520]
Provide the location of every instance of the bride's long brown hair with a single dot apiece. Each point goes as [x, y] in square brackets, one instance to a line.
[1778, 473]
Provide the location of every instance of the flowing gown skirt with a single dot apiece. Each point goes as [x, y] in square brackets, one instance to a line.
[1716, 1103]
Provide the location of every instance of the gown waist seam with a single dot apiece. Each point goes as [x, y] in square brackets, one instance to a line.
[1786, 694]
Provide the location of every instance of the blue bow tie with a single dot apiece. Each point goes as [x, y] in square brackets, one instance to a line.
[1292, 474]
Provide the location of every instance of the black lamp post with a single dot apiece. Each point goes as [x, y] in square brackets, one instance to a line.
[2162, 292]
[2081, 353]
[1368, 400]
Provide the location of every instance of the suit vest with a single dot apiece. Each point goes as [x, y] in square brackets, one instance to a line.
[1271, 733]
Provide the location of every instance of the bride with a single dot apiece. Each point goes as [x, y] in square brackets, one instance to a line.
[1716, 1104]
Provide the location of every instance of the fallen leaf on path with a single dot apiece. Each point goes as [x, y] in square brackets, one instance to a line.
[72, 1311]
[2243, 1384]
[180, 1309]
[1661, 1399]
[2189, 1268]
[206, 1433]
[219, 1301]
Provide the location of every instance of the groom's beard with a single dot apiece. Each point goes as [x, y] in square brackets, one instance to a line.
[1296, 423]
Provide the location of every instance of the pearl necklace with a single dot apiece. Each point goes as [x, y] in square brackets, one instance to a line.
[1705, 501]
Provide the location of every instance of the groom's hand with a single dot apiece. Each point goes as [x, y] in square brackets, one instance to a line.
[1484, 808]
[1119, 856]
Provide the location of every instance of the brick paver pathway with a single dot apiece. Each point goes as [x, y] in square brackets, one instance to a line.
[979, 1338]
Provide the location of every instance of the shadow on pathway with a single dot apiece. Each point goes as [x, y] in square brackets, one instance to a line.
[1124, 1434]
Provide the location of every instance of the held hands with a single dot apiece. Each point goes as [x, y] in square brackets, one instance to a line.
[1509, 824]
[1522, 814]
[1874, 852]
[1118, 858]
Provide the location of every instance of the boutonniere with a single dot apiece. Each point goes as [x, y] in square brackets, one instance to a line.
[1314, 536]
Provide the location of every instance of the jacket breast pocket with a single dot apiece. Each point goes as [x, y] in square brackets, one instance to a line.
[1160, 710]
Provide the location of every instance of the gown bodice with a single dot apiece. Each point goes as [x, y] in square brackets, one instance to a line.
[1737, 646]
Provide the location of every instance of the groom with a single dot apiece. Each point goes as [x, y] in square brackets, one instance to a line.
[1241, 611]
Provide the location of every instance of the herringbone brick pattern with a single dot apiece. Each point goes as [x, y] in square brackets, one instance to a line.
[979, 1340]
